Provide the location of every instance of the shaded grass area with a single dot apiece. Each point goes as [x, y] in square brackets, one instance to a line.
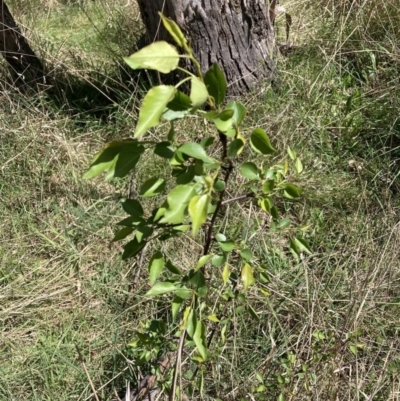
[328, 324]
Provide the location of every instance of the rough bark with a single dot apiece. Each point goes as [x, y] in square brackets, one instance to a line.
[236, 34]
[16, 50]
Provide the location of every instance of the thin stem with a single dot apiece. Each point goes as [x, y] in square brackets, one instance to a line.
[177, 363]
[228, 172]
[237, 198]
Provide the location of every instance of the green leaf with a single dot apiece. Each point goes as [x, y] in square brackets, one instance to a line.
[298, 165]
[159, 56]
[222, 120]
[196, 151]
[227, 246]
[156, 266]
[152, 187]
[235, 147]
[172, 268]
[239, 111]
[198, 207]
[292, 191]
[249, 170]
[202, 261]
[164, 150]
[191, 323]
[213, 318]
[266, 204]
[178, 200]
[132, 248]
[178, 107]
[268, 186]
[199, 339]
[216, 83]
[123, 233]
[153, 107]
[284, 223]
[260, 143]
[226, 273]
[176, 305]
[220, 237]
[291, 153]
[198, 92]
[118, 158]
[247, 276]
[299, 245]
[219, 185]
[246, 254]
[132, 221]
[198, 279]
[174, 30]
[184, 293]
[132, 207]
[218, 260]
[160, 288]
[143, 232]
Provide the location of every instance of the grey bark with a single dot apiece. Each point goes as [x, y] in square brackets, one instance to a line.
[236, 34]
[16, 50]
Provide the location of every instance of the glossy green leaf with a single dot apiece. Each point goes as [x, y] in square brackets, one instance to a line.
[191, 323]
[132, 207]
[266, 204]
[222, 120]
[239, 111]
[213, 318]
[184, 293]
[178, 200]
[227, 246]
[117, 158]
[235, 147]
[260, 143]
[292, 191]
[172, 268]
[218, 260]
[198, 207]
[202, 261]
[300, 245]
[132, 221]
[220, 237]
[164, 150]
[216, 83]
[143, 232]
[159, 56]
[178, 107]
[198, 279]
[284, 223]
[196, 151]
[298, 165]
[153, 106]
[160, 288]
[176, 305]
[249, 170]
[291, 153]
[226, 273]
[174, 30]
[198, 92]
[268, 186]
[152, 187]
[123, 233]
[246, 254]
[247, 276]
[156, 266]
[132, 248]
[199, 339]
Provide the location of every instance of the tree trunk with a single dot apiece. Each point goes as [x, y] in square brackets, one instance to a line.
[16, 50]
[236, 34]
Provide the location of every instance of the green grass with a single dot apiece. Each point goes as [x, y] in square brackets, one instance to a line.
[63, 286]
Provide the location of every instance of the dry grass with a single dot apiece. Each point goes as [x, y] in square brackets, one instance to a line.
[63, 286]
